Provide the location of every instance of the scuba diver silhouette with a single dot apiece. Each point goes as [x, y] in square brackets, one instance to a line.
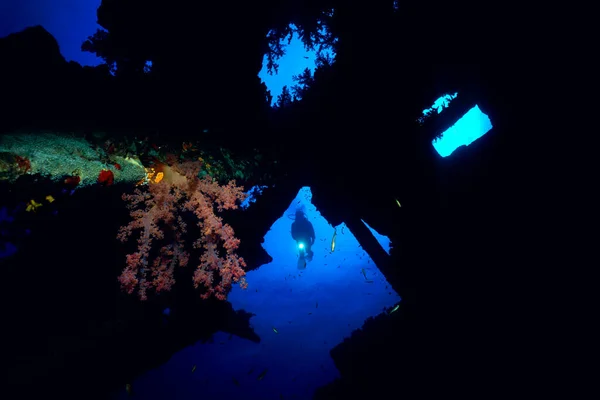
[303, 233]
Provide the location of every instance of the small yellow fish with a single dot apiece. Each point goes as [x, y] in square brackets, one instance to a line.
[395, 308]
[50, 199]
[364, 272]
[32, 206]
[129, 389]
[193, 369]
[333, 240]
[275, 330]
[397, 202]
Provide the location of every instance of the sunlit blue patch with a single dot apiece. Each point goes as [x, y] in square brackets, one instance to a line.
[295, 60]
[300, 246]
[148, 67]
[70, 22]
[438, 106]
[383, 240]
[465, 131]
[252, 194]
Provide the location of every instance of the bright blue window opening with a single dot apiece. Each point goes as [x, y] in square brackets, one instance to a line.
[470, 127]
[295, 60]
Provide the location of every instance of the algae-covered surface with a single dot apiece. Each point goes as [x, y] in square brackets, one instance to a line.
[61, 155]
[65, 157]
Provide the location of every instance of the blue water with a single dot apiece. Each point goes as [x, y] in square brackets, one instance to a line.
[300, 316]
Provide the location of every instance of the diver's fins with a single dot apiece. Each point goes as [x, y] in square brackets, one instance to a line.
[301, 263]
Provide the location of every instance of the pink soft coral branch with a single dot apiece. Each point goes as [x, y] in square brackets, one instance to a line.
[157, 216]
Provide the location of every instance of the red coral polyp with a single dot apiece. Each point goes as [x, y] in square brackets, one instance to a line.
[23, 164]
[72, 181]
[106, 177]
